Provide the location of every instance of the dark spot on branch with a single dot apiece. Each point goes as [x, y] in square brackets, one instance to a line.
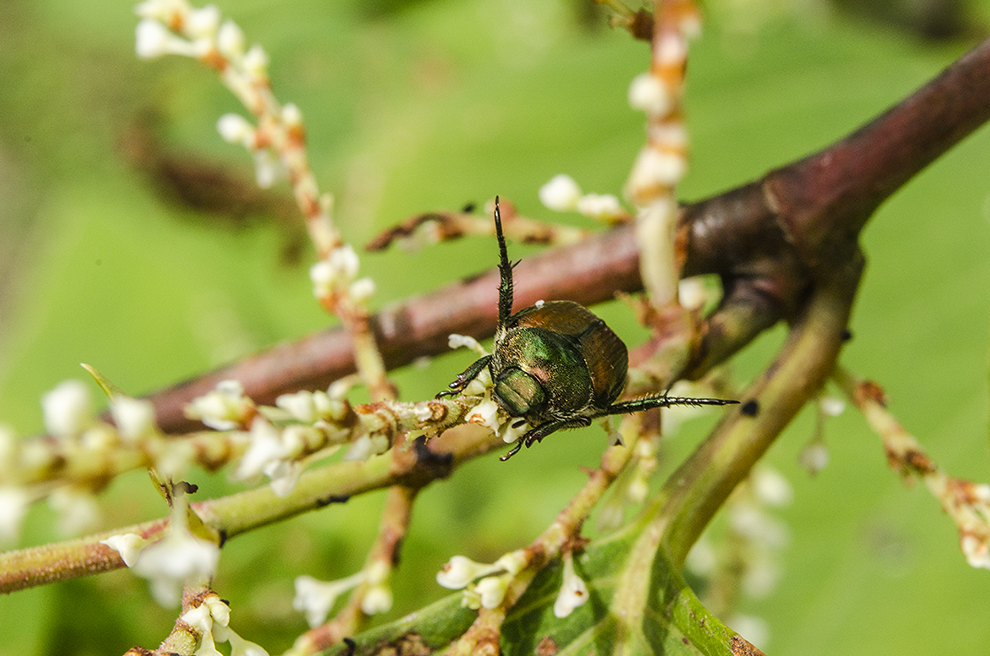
[468, 208]
[351, 646]
[333, 498]
[222, 533]
[751, 408]
[846, 335]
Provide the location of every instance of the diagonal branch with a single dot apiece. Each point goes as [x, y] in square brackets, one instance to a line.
[767, 240]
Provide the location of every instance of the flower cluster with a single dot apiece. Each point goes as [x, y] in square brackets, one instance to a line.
[210, 620]
[172, 562]
[317, 598]
[484, 585]
[563, 194]
[82, 454]
[335, 276]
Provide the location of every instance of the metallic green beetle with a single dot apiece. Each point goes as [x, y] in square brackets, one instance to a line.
[556, 365]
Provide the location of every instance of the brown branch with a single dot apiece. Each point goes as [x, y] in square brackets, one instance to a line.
[767, 240]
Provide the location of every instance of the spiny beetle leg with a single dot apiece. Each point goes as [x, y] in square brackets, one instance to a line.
[464, 379]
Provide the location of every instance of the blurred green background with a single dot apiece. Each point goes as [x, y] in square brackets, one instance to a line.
[414, 106]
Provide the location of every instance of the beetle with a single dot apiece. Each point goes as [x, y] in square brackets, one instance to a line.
[555, 364]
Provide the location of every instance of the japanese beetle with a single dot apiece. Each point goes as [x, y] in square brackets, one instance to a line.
[555, 364]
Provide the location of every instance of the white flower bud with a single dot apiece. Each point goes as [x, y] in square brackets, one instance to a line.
[976, 551]
[831, 406]
[316, 598]
[650, 94]
[652, 169]
[771, 487]
[377, 600]
[230, 40]
[300, 405]
[256, 62]
[459, 571]
[455, 341]
[268, 169]
[492, 590]
[202, 22]
[152, 39]
[599, 206]
[484, 414]
[291, 115]
[236, 129]
[128, 545]
[561, 193]
[362, 290]
[814, 457]
[573, 592]
[135, 418]
[67, 409]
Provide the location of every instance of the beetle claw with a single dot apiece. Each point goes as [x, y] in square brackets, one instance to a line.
[513, 451]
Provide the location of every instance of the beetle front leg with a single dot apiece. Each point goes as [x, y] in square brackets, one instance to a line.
[464, 378]
[541, 431]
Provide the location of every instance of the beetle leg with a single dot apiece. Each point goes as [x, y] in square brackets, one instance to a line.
[513, 451]
[505, 273]
[646, 403]
[537, 434]
[464, 378]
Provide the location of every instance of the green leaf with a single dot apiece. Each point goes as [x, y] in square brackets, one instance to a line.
[672, 621]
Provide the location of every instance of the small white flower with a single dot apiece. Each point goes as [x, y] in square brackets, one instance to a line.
[224, 408]
[241, 647]
[316, 598]
[152, 39]
[202, 22]
[135, 418]
[265, 448]
[460, 570]
[814, 457]
[236, 129]
[573, 592]
[692, 293]
[14, 502]
[539, 304]
[480, 385]
[199, 618]
[455, 341]
[366, 446]
[561, 193]
[268, 169]
[77, 510]
[128, 545]
[67, 409]
[178, 559]
[345, 262]
[484, 414]
[513, 562]
[256, 61]
[362, 290]
[377, 600]
[230, 40]
[492, 590]
[291, 115]
[513, 429]
[651, 95]
[771, 487]
[284, 475]
[599, 206]
[301, 405]
[653, 168]
[976, 551]
[753, 628]
[831, 406]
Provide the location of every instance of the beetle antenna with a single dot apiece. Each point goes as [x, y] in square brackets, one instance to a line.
[505, 271]
[648, 402]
